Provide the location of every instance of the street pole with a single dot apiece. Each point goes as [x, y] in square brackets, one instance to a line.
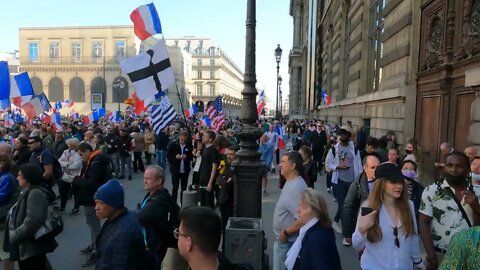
[280, 94]
[278, 57]
[249, 169]
[118, 97]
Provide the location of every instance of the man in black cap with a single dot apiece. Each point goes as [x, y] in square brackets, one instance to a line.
[41, 157]
[344, 161]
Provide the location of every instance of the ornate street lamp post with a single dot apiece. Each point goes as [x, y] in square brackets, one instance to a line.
[278, 56]
[280, 95]
[249, 169]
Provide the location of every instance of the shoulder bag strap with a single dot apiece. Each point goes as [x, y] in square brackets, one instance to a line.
[460, 207]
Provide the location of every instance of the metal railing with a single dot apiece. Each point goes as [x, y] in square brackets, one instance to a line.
[72, 60]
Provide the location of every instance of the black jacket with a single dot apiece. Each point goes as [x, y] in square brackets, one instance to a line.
[154, 217]
[113, 141]
[173, 150]
[22, 155]
[94, 174]
[225, 196]
[58, 148]
[357, 193]
[125, 146]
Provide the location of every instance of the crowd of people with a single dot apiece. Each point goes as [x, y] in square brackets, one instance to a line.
[385, 204]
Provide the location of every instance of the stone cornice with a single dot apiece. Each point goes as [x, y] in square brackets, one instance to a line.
[67, 69]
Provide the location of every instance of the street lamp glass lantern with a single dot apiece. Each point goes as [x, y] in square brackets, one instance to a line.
[280, 79]
[278, 53]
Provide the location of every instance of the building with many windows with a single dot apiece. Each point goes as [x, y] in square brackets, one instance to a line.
[363, 55]
[78, 62]
[213, 73]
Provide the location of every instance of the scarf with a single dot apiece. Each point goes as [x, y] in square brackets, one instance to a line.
[292, 254]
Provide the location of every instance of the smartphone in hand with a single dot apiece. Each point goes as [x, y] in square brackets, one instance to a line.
[366, 210]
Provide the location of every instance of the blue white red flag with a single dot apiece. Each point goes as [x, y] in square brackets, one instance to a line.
[21, 90]
[69, 103]
[191, 111]
[326, 98]
[261, 103]
[145, 21]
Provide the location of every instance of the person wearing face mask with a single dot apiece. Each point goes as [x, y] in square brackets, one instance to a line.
[448, 206]
[415, 189]
[475, 174]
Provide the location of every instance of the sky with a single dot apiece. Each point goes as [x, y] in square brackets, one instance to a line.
[221, 20]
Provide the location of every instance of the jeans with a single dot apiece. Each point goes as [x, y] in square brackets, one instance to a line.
[340, 190]
[329, 180]
[280, 250]
[161, 158]
[125, 161]
[64, 190]
[114, 159]
[179, 180]
[93, 222]
[207, 198]
[138, 162]
[39, 262]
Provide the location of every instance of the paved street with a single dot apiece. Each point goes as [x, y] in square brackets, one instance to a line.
[76, 236]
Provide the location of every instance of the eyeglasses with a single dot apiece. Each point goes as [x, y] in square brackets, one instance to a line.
[177, 234]
[395, 233]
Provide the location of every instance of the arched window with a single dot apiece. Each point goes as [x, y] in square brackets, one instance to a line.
[77, 90]
[98, 86]
[475, 17]
[436, 35]
[37, 85]
[55, 90]
[119, 90]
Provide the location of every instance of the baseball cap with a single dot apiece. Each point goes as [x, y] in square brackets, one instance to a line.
[389, 172]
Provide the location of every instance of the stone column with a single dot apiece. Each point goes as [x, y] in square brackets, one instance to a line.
[297, 22]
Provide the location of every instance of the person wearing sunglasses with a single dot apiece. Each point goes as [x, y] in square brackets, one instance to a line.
[386, 226]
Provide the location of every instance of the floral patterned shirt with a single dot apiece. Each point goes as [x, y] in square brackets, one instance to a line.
[447, 219]
[463, 253]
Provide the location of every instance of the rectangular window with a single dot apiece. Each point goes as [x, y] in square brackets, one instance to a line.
[199, 62]
[33, 51]
[346, 56]
[120, 49]
[77, 51]
[212, 62]
[97, 51]
[375, 50]
[212, 74]
[199, 89]
[54, 51]
[212, 90]
[199, 74]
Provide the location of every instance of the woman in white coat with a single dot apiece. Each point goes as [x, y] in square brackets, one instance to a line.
[71, 163]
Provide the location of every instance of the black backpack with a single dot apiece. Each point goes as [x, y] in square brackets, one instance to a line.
[172, 224]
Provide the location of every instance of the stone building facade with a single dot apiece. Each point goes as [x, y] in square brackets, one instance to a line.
[76, 62]
[448, 104]
[213, 73]
[365, 60]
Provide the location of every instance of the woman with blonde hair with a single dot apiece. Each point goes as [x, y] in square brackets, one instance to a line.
[315, 247]
[386, 227]
[71, 163]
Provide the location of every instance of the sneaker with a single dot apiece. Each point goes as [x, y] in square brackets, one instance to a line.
[329, 190]
[334, 200]
[74, 212]
[336, 226]
[347, 242]
[90, 261]
[86, 250]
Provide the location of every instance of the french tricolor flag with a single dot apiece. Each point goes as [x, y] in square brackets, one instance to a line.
[326, 98]
[145, 21]
[88, 119]
[69, 103]
[190, 112]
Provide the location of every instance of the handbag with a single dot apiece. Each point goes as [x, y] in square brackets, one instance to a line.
[151, 149]
[51, 227]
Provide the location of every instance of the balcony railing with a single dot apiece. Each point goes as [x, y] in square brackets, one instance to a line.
[108, 60]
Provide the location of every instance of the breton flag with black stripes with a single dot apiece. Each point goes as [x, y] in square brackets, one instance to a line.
[151, 71]
[162, 115]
